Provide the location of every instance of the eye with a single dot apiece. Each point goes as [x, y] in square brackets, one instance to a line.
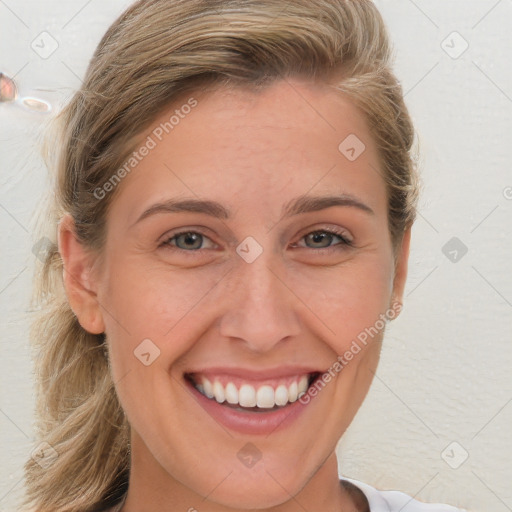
[323, 238]
[187, 241]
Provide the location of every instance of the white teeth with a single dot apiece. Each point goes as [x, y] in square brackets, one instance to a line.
[218, 391]
[302, 386]
[208, 388]
[293, 390]
[264, 397]
[281, 395]
[247, 396]
[231, 393]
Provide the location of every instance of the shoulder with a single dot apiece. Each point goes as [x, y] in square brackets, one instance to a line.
[395, 501]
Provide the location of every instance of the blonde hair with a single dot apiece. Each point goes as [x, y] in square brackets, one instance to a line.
[154, 53]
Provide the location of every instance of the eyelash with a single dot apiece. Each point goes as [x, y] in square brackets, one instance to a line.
[345, 242]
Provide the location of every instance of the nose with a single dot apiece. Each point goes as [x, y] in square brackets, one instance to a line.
[262, 307]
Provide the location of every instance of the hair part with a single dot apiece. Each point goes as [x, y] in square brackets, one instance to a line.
[155, 53]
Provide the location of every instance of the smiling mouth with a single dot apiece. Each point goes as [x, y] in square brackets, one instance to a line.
[246, 396]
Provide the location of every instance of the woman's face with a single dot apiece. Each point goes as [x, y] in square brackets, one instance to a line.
[272, 287]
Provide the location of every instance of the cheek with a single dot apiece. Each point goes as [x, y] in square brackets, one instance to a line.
[146, 301]
[348, 300]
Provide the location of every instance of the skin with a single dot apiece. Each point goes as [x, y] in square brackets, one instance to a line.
[294, 305]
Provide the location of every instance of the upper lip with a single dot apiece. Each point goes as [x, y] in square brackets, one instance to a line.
[256, 375]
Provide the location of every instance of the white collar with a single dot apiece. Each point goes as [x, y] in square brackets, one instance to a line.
[375, 499]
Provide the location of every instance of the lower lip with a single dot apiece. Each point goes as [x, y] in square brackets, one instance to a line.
[260, 423]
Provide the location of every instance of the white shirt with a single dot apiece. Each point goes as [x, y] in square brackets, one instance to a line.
[395, 501]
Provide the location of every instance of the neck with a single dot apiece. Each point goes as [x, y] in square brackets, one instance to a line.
[152, 489]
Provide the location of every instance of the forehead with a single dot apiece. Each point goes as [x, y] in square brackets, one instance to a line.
[288, 104]
[256, 147]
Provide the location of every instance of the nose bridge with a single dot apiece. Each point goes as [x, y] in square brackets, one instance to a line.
[261, 307]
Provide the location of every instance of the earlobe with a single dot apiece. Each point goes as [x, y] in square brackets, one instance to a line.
[76, 275]
[402, 259]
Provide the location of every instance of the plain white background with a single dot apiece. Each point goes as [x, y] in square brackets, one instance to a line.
[437, 421]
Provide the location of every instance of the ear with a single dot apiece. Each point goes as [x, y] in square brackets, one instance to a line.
[402, 259]
[77, 273]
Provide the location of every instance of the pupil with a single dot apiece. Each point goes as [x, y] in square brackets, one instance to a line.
[190, 238]
[319, 237]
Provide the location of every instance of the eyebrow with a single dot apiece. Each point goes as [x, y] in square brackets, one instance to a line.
[297, 206]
